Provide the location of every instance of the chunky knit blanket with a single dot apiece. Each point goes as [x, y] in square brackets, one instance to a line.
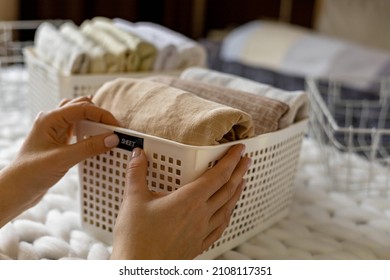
[322, 224]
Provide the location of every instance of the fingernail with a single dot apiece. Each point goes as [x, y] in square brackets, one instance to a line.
[111, 141]
[136, 152]
[249, 163]
[242, 150]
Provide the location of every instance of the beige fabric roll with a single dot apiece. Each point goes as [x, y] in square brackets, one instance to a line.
[171, 113]
[264, 111]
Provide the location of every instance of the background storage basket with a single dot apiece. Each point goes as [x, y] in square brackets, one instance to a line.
[264, 201]
[47, 87]
[351, 124]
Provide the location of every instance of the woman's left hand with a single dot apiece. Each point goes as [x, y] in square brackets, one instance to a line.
[47, 154]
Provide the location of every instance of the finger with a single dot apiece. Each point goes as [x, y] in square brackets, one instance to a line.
[219, 175]
[226, 192]
[223, 214]
[80, 99]
[85, 111]
[213, 236]
[221, 219]
[63, 102]
[75, 100]
[89, 147]
[136, 173]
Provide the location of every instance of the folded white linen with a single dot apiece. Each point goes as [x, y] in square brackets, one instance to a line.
[298, 101]
[143, 53]
[111, 44]
[303, 57]
[190, 52]
[99, 58]
[300, 52]
[167, 56]
[368, 66]
[262, 43]
[53, 48]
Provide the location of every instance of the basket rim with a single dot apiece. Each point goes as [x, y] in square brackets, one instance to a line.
[30, 54]
[298, 126]
[312, 89]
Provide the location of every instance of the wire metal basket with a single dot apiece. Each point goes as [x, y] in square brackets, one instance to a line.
[14, 37]
[351, 123]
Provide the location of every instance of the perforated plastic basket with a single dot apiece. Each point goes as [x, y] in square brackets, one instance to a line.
[47, 87]
[264, 201]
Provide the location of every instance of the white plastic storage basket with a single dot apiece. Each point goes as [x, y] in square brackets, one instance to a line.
[265, 200]
[351, 124]
[47, 87]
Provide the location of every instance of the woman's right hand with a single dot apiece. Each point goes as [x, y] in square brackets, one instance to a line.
[180, 224]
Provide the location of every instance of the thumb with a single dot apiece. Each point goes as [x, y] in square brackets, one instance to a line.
[136, 173]
[89, 147]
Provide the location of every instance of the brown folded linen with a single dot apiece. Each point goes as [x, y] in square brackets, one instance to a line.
[298, 101]
[265, 112]
[171, 113]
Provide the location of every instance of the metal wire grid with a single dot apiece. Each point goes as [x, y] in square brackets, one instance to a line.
[352, 127]
[14, 37]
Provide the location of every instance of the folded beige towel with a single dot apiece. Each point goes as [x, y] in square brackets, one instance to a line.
[171, 113]
[265, 112]
[298, 101]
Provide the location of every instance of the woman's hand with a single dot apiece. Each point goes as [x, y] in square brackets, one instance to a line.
[47, 154]
[181, 224]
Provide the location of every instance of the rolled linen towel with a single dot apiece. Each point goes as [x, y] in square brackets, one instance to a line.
[298, 101]
[53, 48]
[166, 56]
[120, 52]
[171, 113]
[99, 60]
[265, 112]
[141, 49]
[190, 52]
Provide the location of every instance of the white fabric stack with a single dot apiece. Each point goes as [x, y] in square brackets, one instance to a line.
[142, 53]
[100, 60]
[55, 49]
[167, 55]
[119, 50]
[102, 45]
[175, 51]
[322, 224]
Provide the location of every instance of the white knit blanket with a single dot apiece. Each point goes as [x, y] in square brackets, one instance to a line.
[322, 224]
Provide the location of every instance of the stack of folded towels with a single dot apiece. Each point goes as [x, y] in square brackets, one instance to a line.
[201, 107]
[103, 45]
